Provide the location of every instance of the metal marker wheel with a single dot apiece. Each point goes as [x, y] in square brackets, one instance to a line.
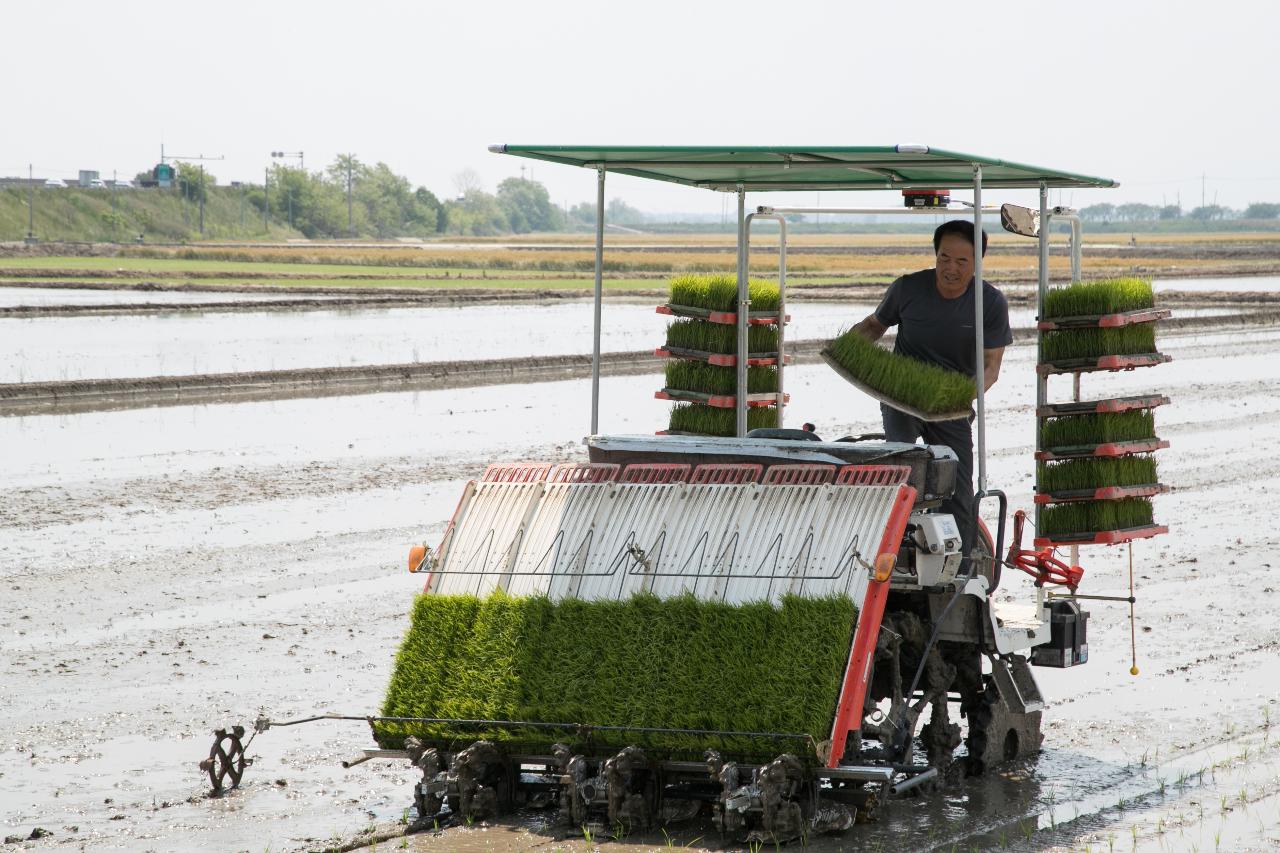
[226, 759]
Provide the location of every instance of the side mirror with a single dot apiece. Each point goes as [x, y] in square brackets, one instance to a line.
[1020, 220]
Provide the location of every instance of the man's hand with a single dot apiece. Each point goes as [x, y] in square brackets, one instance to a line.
[991, 359]
[871, 328]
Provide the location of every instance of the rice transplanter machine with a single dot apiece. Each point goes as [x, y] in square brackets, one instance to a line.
[773, 515]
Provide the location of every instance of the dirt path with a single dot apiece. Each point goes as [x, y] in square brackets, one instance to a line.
[169, 571]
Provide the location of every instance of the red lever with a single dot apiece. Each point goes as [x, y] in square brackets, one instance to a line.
[1041, 565]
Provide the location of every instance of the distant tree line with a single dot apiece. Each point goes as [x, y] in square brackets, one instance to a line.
[350, 198]
[1133, 212]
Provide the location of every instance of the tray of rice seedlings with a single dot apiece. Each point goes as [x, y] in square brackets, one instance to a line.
[1106, 434]
[1097, 479]
[1108, 303]
[1092, 343]
[666, 670]
[1114, 404]
[922, 390]
[714, 298]
[708, 338]
[698, 382]
[699, 419]
[1097, 522]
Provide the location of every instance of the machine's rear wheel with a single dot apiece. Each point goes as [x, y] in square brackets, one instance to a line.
[997, 734]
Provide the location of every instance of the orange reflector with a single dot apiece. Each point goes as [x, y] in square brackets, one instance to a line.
[884, 566]
[417, 554]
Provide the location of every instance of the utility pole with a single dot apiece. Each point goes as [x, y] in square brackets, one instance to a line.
[266, 197]
[200, 190]
[31, 204]
[350, 228]
[199, 158]
[301, 167]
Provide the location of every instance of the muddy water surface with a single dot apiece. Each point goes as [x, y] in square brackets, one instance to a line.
[168, 571]
[11, 296]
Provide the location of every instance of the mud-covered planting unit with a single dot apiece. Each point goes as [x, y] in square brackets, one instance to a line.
[759, 625]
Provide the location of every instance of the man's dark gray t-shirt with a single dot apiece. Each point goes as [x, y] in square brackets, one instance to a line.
[939, 330]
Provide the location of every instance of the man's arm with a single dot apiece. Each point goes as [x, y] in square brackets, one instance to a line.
[871, 328]
[991, 359]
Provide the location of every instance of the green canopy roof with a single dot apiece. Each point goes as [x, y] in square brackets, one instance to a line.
[757, 168]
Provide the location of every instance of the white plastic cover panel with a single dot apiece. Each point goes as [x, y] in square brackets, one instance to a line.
[737, 543]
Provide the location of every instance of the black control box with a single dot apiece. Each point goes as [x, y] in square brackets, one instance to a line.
[1068, 645]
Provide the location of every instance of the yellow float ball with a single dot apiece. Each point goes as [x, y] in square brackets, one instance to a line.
[1133, 670]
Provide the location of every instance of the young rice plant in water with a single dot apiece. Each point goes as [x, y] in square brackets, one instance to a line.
[910, 381]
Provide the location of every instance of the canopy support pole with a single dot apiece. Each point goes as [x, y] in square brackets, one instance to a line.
[979, 343]
[978, 329]
[599, 297]
[1042, 294]
[782, 297]
[744, 306]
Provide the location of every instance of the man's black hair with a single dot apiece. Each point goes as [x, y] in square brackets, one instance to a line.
[959, 227]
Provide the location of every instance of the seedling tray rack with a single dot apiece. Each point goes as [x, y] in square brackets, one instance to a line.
[1103, 537]
[1097, 407]
[723, 318]
[719, 401]
[755, 359]
[1105, 362]
[1104, 321]
[1106, 493]
[1107, 449]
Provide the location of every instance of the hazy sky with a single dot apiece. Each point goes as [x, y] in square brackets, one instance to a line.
[1153, 94]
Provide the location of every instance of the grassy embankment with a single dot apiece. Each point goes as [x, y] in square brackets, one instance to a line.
[84, 215]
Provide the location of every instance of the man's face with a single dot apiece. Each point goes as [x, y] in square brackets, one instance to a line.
[955, 264]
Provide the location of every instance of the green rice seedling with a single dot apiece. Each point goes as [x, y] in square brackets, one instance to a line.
[719, 338]
[712, 379]
[707, 420]
[677, 663]
[1109, 296]
[720, 293]
[1092, 343]
[1091, 516]
[1101, 428]
[922, 386]
[1072, 474]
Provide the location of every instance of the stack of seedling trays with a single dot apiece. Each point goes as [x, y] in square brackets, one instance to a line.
[1096, 474]
[702, 345]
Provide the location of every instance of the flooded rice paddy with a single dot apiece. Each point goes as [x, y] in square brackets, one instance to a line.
[46, 296]
[170, 570]
[64, 348]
